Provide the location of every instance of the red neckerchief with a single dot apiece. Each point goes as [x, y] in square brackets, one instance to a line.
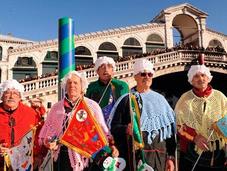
[204, 93]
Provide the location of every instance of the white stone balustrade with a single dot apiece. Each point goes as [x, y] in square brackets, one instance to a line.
[125, 69]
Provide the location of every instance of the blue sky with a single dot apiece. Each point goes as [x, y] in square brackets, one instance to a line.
[38, 19]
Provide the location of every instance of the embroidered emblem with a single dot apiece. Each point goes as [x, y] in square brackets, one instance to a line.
[81, 115]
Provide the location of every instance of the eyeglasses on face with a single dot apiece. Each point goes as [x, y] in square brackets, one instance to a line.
[144, 74]
[11, 93]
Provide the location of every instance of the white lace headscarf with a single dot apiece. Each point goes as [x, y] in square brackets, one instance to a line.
[104, 60]
[143, 65]
[198, 69]
[11, 84]
[81, 75]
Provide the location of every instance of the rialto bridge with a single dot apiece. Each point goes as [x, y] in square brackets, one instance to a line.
[164, 64]
[24, 59]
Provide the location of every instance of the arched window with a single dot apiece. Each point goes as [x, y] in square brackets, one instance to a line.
[24, 67]
[24, 62]
[215, 45]
[50, 63]
[132, 42]
[51, 55]
[108, 49]
[81, 50]
[154, 41]
[83, 56]
[131, 47]
[10, 48]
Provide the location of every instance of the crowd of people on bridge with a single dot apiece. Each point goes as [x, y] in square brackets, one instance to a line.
[156, 51]
[105, 125]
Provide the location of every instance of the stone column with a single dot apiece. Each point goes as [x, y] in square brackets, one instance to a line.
[168, 31]
[4, 73]
[202, 29]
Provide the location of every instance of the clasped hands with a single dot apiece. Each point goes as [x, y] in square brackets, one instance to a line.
[3, 149]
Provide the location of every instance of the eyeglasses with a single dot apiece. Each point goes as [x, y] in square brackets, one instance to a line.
[144, 74]
[12, 93]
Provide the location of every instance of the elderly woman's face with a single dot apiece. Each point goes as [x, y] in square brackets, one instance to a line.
[73, 87]
[11, 99]
[200, 81]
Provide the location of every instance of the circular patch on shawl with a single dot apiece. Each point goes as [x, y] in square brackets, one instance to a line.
[81, 115]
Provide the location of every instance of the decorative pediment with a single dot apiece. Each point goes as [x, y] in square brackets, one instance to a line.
[184, 8]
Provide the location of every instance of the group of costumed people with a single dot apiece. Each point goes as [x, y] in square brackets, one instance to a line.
[107, 126]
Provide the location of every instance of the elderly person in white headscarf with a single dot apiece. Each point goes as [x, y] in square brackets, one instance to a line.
[156, 122]
[75, 84]
[16, 119]
[107, 89]
[197, 111]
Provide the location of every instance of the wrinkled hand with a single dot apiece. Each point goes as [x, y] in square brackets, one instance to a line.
[201, 142]
[115, 152]
[129, 129]
[169, 165]
[3, 149]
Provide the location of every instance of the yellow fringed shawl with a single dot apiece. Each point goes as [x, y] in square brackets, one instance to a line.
[201, 113]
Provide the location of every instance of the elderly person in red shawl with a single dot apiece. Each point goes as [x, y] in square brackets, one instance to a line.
[197, 111]
[16, 119]
[67, 159]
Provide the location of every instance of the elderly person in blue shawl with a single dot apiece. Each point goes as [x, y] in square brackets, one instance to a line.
[156, 123]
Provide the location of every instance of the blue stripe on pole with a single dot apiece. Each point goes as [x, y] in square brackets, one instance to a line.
[65, 31]
[66, 59]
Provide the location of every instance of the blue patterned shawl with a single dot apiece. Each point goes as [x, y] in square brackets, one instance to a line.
[156, 116]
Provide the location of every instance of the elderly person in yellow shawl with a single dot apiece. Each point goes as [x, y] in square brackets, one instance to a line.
[197, 111]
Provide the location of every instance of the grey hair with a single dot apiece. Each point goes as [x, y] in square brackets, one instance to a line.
[82, 75]
[11, 84]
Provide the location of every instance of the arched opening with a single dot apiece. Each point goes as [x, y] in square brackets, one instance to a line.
[215, 45]
[83, 56]
[50, 63]
[177, 37]
[10, 48]
[154, 41]
[188, 30]
[108, 49]
[24, 68]
[131, 47]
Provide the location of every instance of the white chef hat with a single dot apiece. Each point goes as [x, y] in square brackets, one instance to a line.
[104, 60]
[143, 65]
[82, 75]
[198, 69]
[11, 84]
